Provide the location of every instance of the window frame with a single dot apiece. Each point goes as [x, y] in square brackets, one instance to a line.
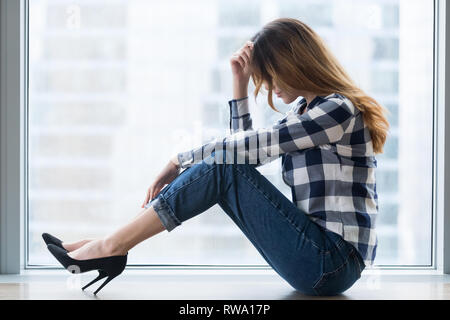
[14, 146]
[13, 102]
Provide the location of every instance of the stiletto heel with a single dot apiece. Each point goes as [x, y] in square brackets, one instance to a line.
[49, 239]
[104, 283]
[101, 275]
[109, 267]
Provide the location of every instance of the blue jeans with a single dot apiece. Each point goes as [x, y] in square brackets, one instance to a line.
[313, 260]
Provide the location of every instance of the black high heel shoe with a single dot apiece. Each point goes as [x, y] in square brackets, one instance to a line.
[108, 267]
[48, 238]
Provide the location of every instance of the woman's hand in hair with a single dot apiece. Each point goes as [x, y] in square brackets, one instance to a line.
[167, 175]
[240, 62]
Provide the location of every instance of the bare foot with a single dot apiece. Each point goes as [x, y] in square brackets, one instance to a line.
[94, 249]
[71, 246]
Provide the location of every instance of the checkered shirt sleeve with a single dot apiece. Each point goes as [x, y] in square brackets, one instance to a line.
[323, 124]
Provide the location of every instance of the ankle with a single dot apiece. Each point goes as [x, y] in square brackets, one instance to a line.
[113, 247]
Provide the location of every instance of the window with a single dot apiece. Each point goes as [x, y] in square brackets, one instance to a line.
[117, 87]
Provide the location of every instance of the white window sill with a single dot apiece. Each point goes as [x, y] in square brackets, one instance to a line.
[131, 270]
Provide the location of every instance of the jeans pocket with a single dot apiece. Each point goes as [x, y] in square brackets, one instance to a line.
[340, 279]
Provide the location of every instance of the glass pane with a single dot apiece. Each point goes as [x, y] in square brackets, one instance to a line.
[118, 87]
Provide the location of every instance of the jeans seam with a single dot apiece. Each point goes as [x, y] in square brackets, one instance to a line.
[254, 242]
[319, 283]
[281, 212]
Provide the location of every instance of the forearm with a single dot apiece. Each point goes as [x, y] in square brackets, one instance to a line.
[240, 88]
[175, 161]
[326, 123]
[243, 147]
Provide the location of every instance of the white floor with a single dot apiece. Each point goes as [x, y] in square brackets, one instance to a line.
[214, 285]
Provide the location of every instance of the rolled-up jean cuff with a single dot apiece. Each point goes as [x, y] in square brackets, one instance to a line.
[164, 212]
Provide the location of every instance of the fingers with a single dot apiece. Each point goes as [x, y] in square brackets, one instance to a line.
[153, 194]
[246, 53]
[240, 60]
[169, 173]
[237, 58]
[247, 49]
[154, 190]
[249, 44]
[243, 55]
[147, 198]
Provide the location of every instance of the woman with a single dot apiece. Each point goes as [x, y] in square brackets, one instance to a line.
[321, 240]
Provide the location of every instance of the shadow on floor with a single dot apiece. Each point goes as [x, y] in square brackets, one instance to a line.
[297, 295]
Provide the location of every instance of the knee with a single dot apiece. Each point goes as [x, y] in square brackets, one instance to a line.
[232, 169]
[226, 166]
[228, 160]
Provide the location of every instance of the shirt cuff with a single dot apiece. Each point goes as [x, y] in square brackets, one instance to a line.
[239, 107]
[185, 159]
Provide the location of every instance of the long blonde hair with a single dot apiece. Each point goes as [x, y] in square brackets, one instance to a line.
[288, 52]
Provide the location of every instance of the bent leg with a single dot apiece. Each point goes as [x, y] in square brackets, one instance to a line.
[309, 258]
[286, 238]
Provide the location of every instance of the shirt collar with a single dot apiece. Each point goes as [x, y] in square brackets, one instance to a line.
[302, 104]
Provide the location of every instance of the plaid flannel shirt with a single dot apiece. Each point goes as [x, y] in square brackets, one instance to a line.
[327, 160]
